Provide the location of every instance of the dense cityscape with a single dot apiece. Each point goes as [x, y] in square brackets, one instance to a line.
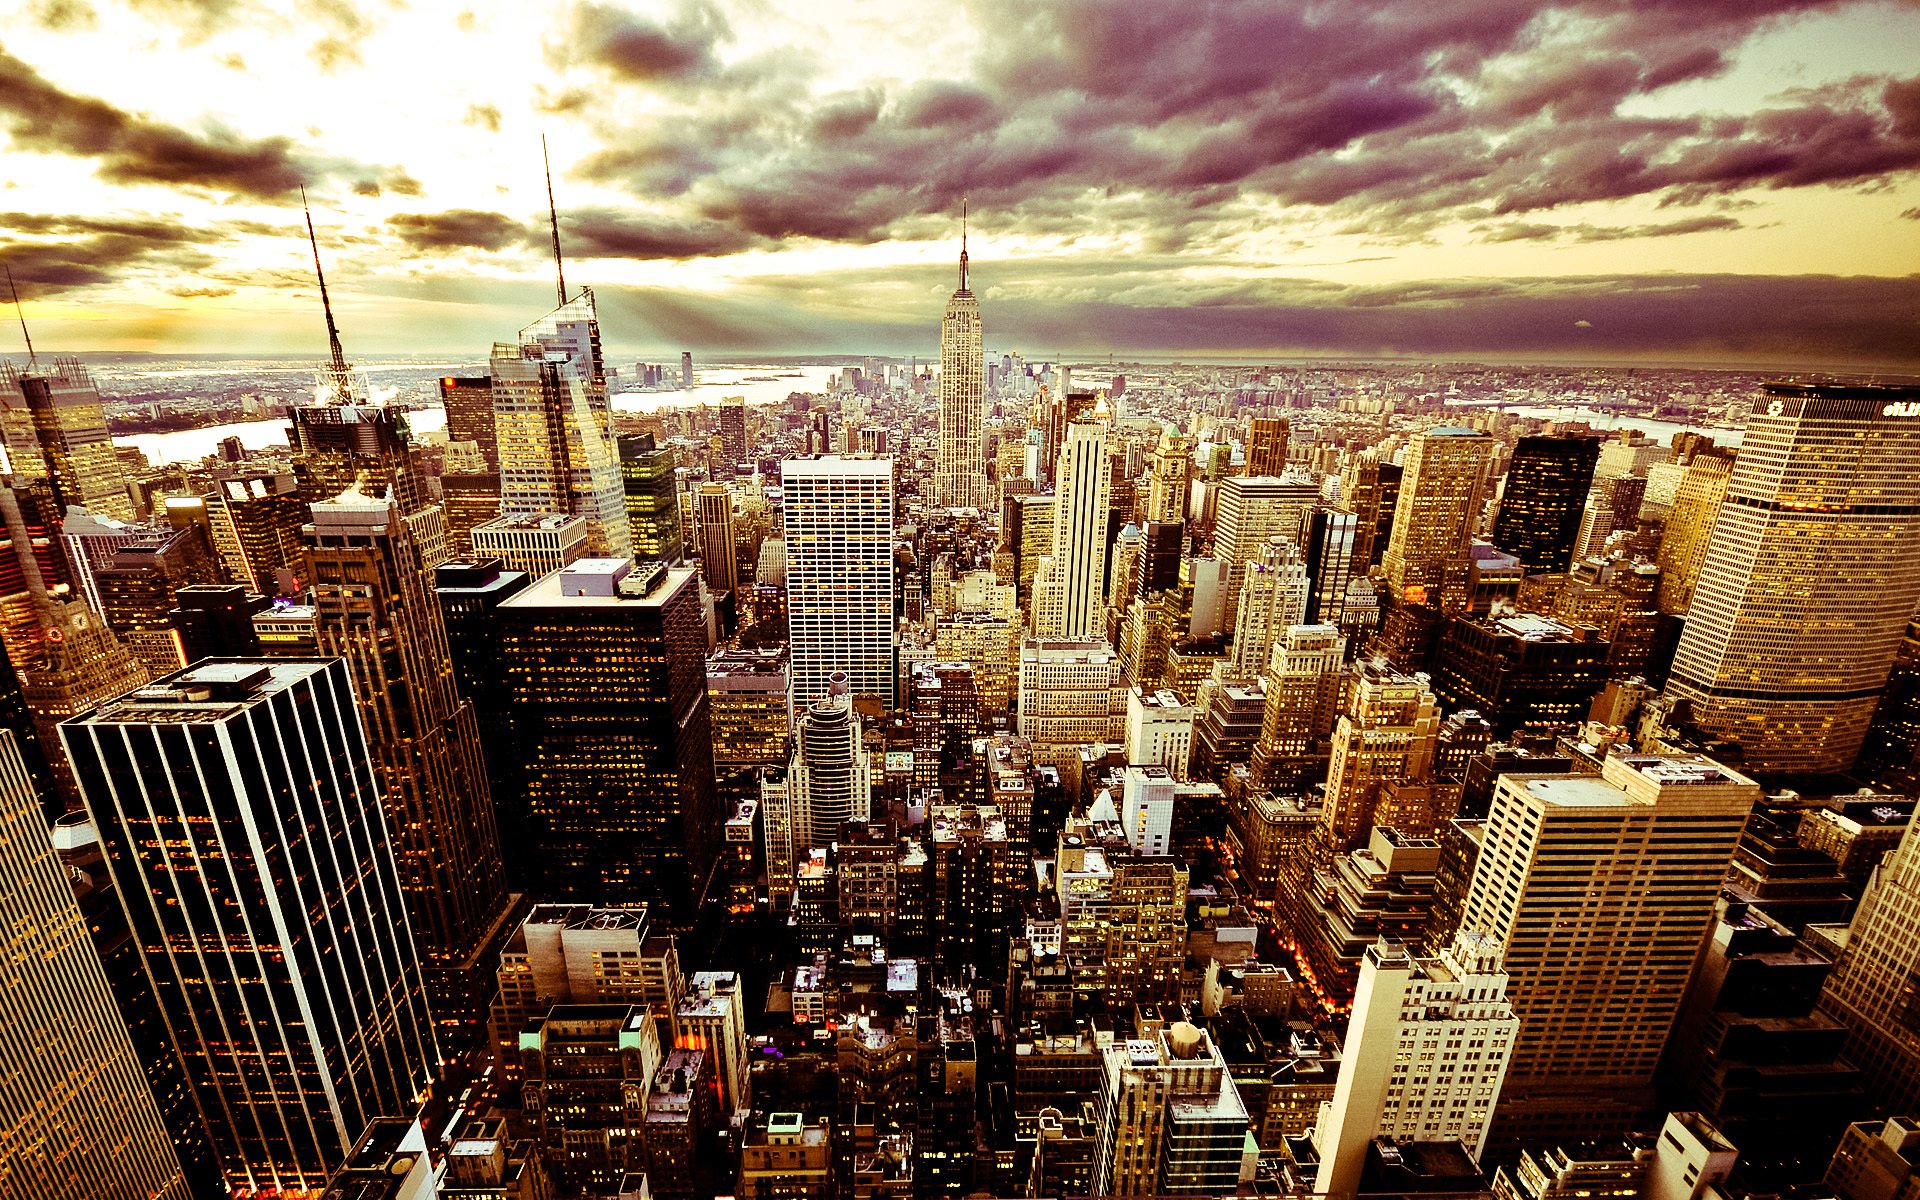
[1021, 600]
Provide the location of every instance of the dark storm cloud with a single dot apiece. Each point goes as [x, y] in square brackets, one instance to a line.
[459, 228]
[130, 148]
[613, 233]
[641, 48]
[1521, 231]
[75, 252]
[1395, 117]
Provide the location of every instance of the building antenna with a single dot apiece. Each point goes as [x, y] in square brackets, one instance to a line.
[337, 368]
[22, 314]
[553, 220]
[963, 243]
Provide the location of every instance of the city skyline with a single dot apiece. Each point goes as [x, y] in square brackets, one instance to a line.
[1595, 182]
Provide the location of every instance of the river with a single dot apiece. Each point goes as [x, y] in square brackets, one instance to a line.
[760, 385]
[1660, 431]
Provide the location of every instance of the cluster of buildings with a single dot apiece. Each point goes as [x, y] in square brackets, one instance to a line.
[972, 783]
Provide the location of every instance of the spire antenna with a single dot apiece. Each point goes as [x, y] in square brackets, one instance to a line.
[337, 368]
[22, 314]
[963, 243]
[553, 220]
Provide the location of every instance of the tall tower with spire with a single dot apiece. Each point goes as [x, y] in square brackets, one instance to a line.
[960, 470]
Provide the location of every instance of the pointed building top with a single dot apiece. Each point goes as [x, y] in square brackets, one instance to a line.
[963, 243]
[553, 219]
[337, 368]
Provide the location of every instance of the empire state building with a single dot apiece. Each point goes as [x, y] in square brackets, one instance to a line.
[960, 473]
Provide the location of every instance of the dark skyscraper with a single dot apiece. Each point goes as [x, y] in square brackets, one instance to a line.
[1546, 492]
[240, 815]
[607, 663]
[653, 504]
[1267, 445]
[470, 592]
[733, 430]
[469, 402]
[54, 425]
[373, 589]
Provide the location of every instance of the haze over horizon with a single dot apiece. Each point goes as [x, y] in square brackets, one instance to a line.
[1711, 182]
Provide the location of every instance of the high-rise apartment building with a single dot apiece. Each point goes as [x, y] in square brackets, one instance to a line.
[838, 534]
[653, 504]
[1252, 511]
[1541, 503]
[1267, 445]
[719, 565]
[607, 665]
[240, 813]
[54, 425]
[829, 781]
[1168, 488]
[1601, 890]
[1871, 990]
[588, 1069]
[1069, 586]
[1171, 1121]
[713, 1020]
[77, 1119]
[960, 464]
[1809, 579]
[1441, 493]
[1304, 670]
[1274, 594]
[376, 607]
[1370, 490]
[1426, 1050]
[554, 426]
[1689, 528]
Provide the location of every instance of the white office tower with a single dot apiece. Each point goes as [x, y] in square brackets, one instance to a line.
[1067, 592]
[1601, 890]
[1171, 1123]
[828, 783]
[77, 1121]
[1146, 809]
[1427, 1048]
[838, 532]
[960, 463]
[1871, 990]
[1273, 598]
[553, 423]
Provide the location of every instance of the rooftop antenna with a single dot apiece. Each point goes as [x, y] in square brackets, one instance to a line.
[337, 368]
[22, 314]
[963, 243]
[553, 220]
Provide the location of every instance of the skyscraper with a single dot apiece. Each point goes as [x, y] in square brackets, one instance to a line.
[554, 425]
[960, 469]
[77, 1120]
[1168, 490]
[469, 404]
[470, 592]
[1871, 990]
[54, 426]
[1811, 574]
[1267, 445]
[1601, 890]
[1547, 482]
[1689, 528]
[607, 663]
[653, 506]
[374, 594]
[733, 430]
[1251, 511]
[1171, 1119]
[1394, 1077]
[1330, 535]
[240, 814]
[1068, 586]
[838, 534]
[718, 563]
[1440, 497]
[1387, 735]
[1273, 597]
[828, 781]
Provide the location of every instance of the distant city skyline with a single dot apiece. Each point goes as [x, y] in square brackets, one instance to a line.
[1602, 181]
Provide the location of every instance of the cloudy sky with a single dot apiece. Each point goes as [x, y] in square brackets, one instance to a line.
[1666, 180]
